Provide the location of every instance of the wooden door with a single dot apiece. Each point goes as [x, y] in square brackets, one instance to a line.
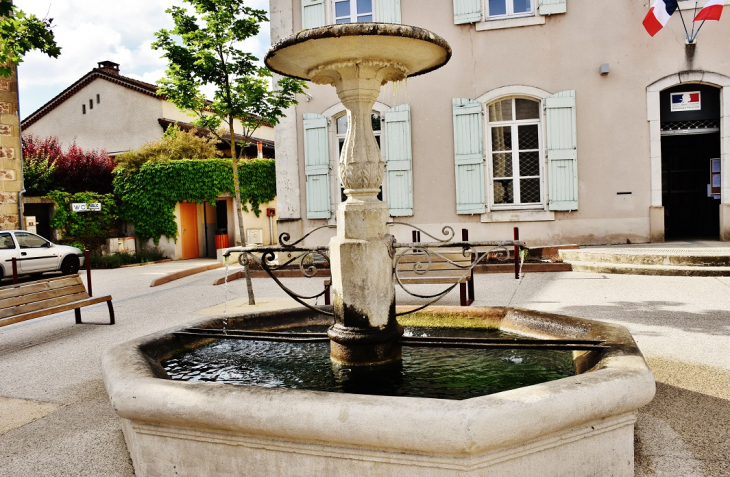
[189, 226]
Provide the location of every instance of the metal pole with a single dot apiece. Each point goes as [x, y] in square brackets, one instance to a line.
[87, 260]
[517, 254]
[15, 270]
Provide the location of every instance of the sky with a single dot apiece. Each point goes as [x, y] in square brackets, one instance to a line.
[89, 31]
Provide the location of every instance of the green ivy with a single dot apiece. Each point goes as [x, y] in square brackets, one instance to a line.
[89, 228]
[148, 196]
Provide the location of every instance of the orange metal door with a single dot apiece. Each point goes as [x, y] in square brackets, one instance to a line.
[189, 225]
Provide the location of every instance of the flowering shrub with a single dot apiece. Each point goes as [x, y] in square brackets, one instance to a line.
[75, 170]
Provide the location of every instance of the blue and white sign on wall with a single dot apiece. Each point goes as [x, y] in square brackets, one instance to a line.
[686, 101]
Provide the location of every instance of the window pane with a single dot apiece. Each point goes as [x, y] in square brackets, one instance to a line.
[529, 190]
[527, 109]
[528, 138]
[6, 241]
[343, 20]
[502, 165]
[375, 119]
[502, 139]
[365, 6]
[530, 163]
[30, 241]
[501, 110]
[522, 6]
[497, 7]
[341, 142]
[342, 124]
[503, 192]
[342, 9]
[365, 18]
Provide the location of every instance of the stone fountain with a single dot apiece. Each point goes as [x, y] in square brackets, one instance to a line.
[580, 425]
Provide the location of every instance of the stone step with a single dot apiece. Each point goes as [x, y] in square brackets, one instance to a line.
[656, 257]
[659, 270]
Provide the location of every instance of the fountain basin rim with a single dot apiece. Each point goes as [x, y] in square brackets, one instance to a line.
[620, 384]
[360, 30]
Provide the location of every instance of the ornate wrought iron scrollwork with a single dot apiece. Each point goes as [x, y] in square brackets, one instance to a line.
[284, 237]
[447, 230]
[420, 259]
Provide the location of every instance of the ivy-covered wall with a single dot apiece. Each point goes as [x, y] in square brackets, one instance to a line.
[148, 196]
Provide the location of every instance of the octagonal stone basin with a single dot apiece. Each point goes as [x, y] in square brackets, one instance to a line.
[580, 425]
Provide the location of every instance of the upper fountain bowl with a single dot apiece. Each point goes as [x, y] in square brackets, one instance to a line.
[409, 50]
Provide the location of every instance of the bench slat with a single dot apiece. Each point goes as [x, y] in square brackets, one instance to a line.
[20, 309]
[53, 310]
[33, 287]
[45, 295]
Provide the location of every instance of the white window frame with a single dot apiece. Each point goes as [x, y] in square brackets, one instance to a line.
[499, 22]
[510, 4]
[514, 124]
[353, 11]
[332, 114]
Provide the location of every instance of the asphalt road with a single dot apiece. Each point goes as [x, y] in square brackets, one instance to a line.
[56, 420]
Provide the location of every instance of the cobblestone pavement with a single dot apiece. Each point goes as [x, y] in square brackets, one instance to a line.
[56, 420]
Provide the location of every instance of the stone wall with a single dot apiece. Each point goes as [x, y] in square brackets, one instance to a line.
[11, 175]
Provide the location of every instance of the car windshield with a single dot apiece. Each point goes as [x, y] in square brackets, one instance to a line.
[26, 240]
[6, 241]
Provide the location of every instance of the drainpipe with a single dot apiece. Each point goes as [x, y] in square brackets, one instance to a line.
[21, 226]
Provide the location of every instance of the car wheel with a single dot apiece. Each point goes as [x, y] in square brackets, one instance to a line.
[70, 265]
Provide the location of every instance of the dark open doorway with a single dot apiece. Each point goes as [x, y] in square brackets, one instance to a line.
[690, 141]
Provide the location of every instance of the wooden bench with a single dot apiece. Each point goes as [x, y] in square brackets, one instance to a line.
[46, 297]
[440, 271]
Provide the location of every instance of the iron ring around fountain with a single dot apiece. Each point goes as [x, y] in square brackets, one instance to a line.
[386, 42]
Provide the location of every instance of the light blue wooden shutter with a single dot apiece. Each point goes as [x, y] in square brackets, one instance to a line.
[551, 7]
[399, 160]
[467, 11]
[317, 166]
[387, 11]
[562, 153]
[469, 156]
[312, 14]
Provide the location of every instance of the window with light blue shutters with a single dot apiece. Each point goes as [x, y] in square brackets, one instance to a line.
[399, 160]
[467, 11]
[313, 14]
[551, 7]
[317, 166]
[469, 157]
[562, 151]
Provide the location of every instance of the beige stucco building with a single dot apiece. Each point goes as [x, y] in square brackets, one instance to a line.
[11, 176]
[107, 110]
[562, 117]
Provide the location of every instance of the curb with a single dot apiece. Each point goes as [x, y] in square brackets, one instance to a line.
[183, 273]
[145, 263]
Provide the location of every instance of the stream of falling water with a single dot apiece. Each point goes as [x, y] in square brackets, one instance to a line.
[225, 299]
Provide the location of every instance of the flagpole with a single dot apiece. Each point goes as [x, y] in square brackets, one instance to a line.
[698, 30]
[693, 23]
[683, 24]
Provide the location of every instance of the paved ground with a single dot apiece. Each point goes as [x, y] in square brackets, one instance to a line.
[56, 420]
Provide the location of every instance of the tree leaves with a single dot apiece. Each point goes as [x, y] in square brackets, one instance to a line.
[21, 33]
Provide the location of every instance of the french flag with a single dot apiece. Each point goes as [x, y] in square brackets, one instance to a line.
[659, 14]
[686, 98]
[711, 11]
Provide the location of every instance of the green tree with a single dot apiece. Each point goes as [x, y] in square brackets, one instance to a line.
[203, 49]
[175, 144]
[21, 33]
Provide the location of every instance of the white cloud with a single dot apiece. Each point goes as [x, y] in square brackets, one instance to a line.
[90, 31]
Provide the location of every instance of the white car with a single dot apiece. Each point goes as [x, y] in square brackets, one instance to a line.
[36, 255]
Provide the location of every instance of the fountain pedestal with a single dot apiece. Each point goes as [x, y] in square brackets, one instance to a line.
[365, 330]
[357, 60]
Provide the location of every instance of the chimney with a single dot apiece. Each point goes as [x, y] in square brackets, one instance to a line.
[109, 67]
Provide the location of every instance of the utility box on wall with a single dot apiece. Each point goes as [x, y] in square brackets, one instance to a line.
[29, 224]
[255, 236]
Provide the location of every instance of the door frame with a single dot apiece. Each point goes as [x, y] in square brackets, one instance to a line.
[653, 112]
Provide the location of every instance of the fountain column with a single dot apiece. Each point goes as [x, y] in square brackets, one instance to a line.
[365, 331]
